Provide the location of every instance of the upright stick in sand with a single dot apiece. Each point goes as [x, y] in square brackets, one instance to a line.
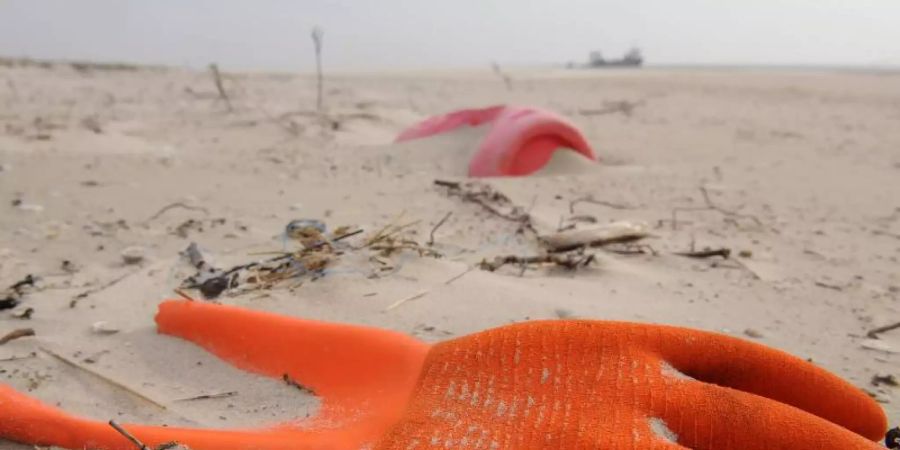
[317, 35]
[217, 79]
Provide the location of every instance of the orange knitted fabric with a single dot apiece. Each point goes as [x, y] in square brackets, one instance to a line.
[537, 385]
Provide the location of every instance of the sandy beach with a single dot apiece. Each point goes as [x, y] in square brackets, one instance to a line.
[796, 173]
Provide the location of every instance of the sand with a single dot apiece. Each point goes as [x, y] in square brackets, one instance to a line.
[803, 169]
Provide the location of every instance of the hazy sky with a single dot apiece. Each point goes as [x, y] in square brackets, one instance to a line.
[274, 34]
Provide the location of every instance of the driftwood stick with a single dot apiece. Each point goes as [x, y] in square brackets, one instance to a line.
[89, 292]
[485, 196]
[438, 225]
[568, 261]
[400, 302]
[614, 233]
[317, 36]
[507, 80]
[593, 201]
[103, 378]
[874, 333]
[16, 334]
[208, 396]
[217, 79]
[706, 253]
[128, 435]
[166, 208]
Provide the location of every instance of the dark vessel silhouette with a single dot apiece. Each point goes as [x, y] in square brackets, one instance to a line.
[633, 58]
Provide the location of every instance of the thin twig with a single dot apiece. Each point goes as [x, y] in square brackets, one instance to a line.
[593, 201]
[103, 378]
[217, 79]
[487, 197]
[317, 36]
[711, 206]
[183, 295]
[16, 334]
[292, 382]
[128, 435]
[19, 358]
[404, 300]
[208, 396]
[874, 333]
[458, 276]
[441, 222]
[166, 208]
[89, 292]
[569, 261]
[507, 81]
[706, 253]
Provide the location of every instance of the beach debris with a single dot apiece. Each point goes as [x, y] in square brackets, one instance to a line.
[875, 344]
[92, 123]
[624, 107]
[400, 302]
[29, 207]
[873, 334]
[103, 287]
[208, 396]
[24, 314]
[19, 358]
[879, 396]
[395, 237]
[892, 438]
[563, 313]
[630, 248]
[569, 261]
[318, 251]
[613, 233]
[436, 226]
[133, 255]
[68, 266]
[731, 215]
[184, 228]
[293, 383]
[591, 200]
[746, 254]
[16, 334]
[318, 35]
[833, 287]
[753, 333]
[491, 200]
[117, 384]
[308, 232]
[174, 205]
[887, 380]
[12, 296]
[103, 328]
[140, 445]
[220, 87]
[707, 253]
[507, 80]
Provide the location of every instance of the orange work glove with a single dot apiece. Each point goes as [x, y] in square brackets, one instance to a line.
[536, 385]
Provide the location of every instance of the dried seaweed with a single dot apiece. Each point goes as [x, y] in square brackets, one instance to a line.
[12, 296]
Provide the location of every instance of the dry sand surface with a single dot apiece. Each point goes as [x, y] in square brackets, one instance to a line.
[803, 169]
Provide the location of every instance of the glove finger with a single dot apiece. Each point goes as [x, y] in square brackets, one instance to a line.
[708, 417]
[330, 359]
[29, 421]
[760, 370]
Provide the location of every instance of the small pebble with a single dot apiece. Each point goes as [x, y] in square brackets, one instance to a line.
[104, 328]
[30, 207]
[875, 344]
[133, 255]
[755, 334]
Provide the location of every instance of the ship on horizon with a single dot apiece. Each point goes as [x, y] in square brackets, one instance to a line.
[633, 58]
